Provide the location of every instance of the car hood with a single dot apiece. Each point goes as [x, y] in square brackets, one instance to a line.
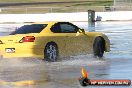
[94, 33]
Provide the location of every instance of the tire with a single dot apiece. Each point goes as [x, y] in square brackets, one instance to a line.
[98, 47]
[51, 52]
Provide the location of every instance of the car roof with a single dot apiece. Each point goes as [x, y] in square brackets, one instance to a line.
[50, 22]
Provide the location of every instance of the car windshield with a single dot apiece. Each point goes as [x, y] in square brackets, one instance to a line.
[34, 28]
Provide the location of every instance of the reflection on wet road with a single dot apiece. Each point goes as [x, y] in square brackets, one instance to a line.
[34, 73]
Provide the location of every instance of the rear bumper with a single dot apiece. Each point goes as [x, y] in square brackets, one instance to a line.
[22, 50]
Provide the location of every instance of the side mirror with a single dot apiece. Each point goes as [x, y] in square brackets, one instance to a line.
[82, 31]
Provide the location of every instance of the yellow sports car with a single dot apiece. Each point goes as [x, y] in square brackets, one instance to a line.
[53, 40]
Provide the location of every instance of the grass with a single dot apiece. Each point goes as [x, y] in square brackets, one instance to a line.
[66, 6]
[97, 3]
[48, 0]
[74, 2]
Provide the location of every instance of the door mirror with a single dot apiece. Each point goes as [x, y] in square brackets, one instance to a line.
[82, 31]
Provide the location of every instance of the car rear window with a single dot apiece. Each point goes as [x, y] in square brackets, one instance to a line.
[34, 28]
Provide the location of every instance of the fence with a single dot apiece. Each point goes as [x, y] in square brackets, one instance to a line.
[122, 2]
[41, 10]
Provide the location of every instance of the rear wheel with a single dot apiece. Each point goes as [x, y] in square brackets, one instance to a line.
[51, 52]
[98, 47]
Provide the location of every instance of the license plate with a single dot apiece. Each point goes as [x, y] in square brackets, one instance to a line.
[10, 50]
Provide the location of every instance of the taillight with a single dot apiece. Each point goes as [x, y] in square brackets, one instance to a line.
[27, 39]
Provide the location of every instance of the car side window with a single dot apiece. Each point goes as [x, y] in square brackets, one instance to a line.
[56, 28]
[68, 28]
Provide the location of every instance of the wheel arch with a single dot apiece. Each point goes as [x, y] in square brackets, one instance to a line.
[52, 43]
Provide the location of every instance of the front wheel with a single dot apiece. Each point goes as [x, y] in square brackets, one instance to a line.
[51, 52]
[98, 47]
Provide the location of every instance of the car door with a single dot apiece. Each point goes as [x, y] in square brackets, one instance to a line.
[76, 43]
[59, 38]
